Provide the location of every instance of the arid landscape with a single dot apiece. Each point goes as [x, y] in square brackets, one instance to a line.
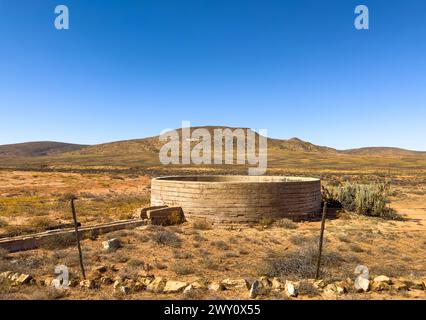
[197, 259]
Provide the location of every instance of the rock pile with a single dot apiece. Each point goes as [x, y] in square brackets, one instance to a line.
[102, 276]
[17, 278]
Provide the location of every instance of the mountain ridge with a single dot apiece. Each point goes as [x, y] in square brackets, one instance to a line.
[153, 144]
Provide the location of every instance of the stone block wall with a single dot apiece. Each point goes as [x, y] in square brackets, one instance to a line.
[239, 199]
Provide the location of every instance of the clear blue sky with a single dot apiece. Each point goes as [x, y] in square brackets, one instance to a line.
[129, 69]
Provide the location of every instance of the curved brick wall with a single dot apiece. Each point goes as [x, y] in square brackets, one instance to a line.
[239, 199]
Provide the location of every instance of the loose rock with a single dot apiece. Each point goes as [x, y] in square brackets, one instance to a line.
[254, 289]
[24, 279]
[100, 269]
[384, 279]
[235, 283]
[90, 284]
[106, 280]
[265, 282]
[277, 284]
[216, 286]
[124, 289]
[112, 244]
[157, 285]
[174, 286]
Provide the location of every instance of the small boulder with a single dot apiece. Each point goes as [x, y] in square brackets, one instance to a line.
[381, 283]
[174, 286]
[146, 280]
[24, 279]
[338, 287]
[254, 289]
[111, 245]
[399, 285]
[157, 285]
[277, 284]
[235, 284]
[73, 283]
[216, 286]
[89, 284]
[382, 278]
[189, 290]
[124, 289]
[138, 286]
[100, 269]
[14, 276]
[106, 281]
[319, 284]
[117, 284]
[265, 282]
[413, 283]
[6, 274]
[418, 285]
[198, 284]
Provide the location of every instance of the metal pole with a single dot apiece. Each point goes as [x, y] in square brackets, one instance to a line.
[324, 214]
[74, 216]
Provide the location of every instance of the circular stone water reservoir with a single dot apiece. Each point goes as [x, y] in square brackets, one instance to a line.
[239, 199]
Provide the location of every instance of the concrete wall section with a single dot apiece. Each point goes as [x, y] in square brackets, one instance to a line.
[239, 199]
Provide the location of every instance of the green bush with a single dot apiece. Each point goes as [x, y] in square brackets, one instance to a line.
[364, 199]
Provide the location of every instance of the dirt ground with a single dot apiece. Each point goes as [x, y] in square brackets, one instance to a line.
[31, 201]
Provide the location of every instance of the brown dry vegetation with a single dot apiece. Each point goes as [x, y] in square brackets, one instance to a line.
[32, 201]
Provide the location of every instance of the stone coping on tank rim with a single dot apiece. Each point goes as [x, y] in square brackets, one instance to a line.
[234, 179]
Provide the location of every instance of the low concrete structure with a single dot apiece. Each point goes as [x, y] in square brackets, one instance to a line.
[165, 215]
[239, 199]
[33, 241]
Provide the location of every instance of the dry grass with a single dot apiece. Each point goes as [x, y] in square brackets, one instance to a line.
[286, 224]
[300, 264]
[167, 238]
[200, 249]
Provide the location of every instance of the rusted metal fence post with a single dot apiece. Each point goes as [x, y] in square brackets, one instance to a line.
[324, 214]
[74, 216]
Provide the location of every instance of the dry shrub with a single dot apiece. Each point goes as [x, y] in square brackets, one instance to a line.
[3, 223]
[182, 269]
[182, 255]
[211, 264]
[300, 263]
[167, 238]
[42, 222]
[199, 238]
[176, 218]
[266, 222]
[220, 244]
[286, 224]
[48, 294]
[307, 288]
[299, 239]
[202, 224]
[135, 263]
[159, 265]
[364, 199]
[5, 286]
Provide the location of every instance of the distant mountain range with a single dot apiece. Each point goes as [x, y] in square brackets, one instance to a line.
[153, 145]
[37, 149]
